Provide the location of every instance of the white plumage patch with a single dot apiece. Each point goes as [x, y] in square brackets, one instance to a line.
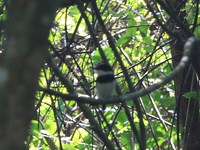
[105, 90]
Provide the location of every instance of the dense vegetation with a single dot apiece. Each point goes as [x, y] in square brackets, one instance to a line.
[57, 45]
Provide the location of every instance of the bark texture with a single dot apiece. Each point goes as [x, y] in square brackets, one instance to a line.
[27, 32]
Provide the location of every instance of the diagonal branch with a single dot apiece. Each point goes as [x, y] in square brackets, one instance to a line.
[189, 47]
[94, 125]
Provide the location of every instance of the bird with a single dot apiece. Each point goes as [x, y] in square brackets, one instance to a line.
[105, 81]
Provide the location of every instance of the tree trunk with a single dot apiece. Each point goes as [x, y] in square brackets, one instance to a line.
[187, 109]
[28, 26]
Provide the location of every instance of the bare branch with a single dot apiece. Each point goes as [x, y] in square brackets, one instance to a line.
[188, 48]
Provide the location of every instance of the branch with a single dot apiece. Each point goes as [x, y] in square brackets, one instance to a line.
[111, 42]
[91, 30]
[94, 125]
[164, 26]
[188, 49]
[174, 17]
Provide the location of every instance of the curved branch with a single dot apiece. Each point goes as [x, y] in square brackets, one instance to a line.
[188, 49]
[94, 125]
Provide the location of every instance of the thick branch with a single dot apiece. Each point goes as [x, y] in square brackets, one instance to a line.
[188, 49]
[94, 125]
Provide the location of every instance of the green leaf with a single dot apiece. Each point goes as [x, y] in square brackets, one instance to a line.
[122, 117]
[35, 127]
[132, 28]
[123, 39]
[192, 94]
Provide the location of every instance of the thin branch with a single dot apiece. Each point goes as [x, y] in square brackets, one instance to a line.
[164, 27]
[94, 125]
[175, 18]
[188, 48]
[196, 16]
[62, 78]
[111, 42]
[91, 30]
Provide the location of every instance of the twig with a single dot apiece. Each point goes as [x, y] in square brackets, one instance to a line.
[188, 48]
[94, 125]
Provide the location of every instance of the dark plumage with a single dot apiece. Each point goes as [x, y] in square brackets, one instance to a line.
[103, 67]
[105, 78]
[105, 82]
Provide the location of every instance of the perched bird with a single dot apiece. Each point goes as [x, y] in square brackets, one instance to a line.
[105, 82]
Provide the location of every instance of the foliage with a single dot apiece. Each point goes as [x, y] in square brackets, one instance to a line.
[75, 53]
[145, 50]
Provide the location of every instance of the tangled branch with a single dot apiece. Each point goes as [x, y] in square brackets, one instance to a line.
[189, 47]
